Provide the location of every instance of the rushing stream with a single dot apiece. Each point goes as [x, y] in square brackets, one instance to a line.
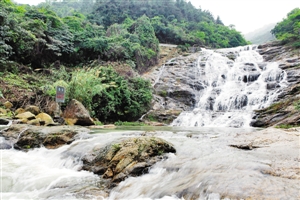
[204, 167]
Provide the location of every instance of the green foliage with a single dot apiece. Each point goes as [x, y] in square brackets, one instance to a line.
[297, 105]
[79, 31]
[98, 123]
[85, 84]
[109, 96]
[288, 30]
[120, 123]
[116, 147]
[285, 126]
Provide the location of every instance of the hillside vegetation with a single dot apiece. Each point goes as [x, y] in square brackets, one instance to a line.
[288, 30]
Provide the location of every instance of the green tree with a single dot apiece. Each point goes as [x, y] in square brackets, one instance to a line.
[288, 30]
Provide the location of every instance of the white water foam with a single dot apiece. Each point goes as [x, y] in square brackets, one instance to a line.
[233, 89]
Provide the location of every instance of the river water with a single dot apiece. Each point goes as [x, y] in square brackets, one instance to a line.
[204, 167]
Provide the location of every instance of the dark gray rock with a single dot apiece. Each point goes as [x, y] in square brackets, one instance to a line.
[4, 121]
[26, 137]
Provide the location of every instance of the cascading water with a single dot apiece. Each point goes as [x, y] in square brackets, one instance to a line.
[233, 89]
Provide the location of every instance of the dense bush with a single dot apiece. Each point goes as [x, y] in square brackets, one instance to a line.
[109, 96]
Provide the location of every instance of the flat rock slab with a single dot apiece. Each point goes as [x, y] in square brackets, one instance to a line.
[280, 148]
[26, 137]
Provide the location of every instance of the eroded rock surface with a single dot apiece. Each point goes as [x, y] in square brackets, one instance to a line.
[279, 147]
[26, 137]
[283, 112]
[131, 156]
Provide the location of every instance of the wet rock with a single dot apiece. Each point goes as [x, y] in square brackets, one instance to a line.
[258, 123]
[76, 114]
[272, 85]
[4, 121]
[130, 157]
[26, 137]
[4, 144]
[162, 116]
[251, 77]
[184, 96]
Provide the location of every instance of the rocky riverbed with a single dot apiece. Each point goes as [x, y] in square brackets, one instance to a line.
[250, 164]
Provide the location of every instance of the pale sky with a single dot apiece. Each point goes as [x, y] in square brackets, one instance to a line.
[246, 15]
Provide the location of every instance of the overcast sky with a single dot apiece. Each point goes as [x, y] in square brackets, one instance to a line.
[246, 15]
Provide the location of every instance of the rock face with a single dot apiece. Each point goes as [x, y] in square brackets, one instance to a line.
[26, 137]
[131, 157]
[164, 116]
[283, 112]
[175, 85]
[76, 114]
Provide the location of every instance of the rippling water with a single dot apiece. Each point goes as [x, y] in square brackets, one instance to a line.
[204, 167]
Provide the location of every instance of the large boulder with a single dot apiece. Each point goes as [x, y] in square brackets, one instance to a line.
[76, 114]
[27, 137]
[53, 109]
[120, 159]
[8, 105]
[33, 109]
[47, 119]
[26, 116]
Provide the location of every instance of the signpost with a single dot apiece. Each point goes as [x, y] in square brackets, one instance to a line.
[60, 94]
[60, 97]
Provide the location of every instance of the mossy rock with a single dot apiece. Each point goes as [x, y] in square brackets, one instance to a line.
[130, 157]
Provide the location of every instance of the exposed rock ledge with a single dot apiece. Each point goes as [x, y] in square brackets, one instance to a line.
[282, 113]
[26, 137]
[132, 156]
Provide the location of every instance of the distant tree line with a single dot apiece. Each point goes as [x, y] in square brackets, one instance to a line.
[75, 31]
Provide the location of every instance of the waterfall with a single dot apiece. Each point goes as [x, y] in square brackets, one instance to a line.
[236, 81]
